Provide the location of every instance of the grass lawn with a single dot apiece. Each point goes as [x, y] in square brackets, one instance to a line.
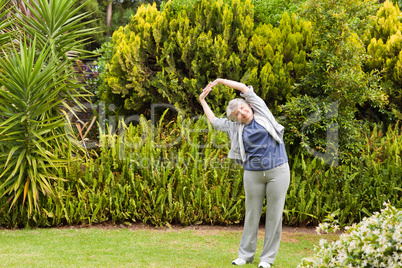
[142, 246]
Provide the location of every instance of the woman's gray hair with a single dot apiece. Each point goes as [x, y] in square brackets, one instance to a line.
[232, 106]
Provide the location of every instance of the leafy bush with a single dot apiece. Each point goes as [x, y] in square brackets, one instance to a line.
[335, 76]
[374, 242]
[163, 175]
[168, 56]
[384, 46]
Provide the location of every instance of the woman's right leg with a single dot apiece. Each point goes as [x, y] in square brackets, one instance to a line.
[254, 187]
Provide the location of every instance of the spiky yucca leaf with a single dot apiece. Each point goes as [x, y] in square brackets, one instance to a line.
[57, 24]
[60, 26]
[31, 129]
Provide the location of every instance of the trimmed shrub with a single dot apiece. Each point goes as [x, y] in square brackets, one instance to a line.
[168, 56]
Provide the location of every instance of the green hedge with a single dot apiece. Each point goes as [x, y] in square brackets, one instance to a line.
[356, 189]
[179, 174]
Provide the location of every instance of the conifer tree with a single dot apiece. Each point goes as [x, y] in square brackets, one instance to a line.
[169, 55]
[385, 51]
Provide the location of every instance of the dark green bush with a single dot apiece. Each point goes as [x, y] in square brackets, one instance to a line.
[356, 189]
[335, 84]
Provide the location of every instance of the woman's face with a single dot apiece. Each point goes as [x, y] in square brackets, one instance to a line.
[244, 114]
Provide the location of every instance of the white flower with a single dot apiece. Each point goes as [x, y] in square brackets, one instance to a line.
[322, 243]
[353, 245]
[342, 256]
[382, 239]
[368, 249]
[396, 236]
[376, 263]
[374, 242]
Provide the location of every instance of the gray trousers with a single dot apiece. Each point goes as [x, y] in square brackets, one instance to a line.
[273, 185]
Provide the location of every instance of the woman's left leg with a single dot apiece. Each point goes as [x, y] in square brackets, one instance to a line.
[276, 188]
[254, 188]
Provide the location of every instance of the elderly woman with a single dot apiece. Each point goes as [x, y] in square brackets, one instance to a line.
[257, 144]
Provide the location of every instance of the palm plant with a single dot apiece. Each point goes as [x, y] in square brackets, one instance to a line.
[37, 83]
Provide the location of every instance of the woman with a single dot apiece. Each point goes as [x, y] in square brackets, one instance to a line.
[257, 144]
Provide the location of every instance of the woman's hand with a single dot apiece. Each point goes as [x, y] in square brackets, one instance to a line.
[206, 91]
[208, 112]
[209, 87]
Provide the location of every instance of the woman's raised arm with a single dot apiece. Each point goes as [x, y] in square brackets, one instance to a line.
[208, 112]
[229, 83]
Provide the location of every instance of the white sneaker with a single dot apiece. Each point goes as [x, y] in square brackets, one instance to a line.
[264, 264]
[239, 261]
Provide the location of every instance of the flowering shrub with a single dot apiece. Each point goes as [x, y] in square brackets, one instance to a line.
[374, 242]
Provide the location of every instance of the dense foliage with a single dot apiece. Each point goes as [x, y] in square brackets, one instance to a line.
[271, 11]
[121, 13]
[179, 174]
[268, 12]
[168, 56]
[325, 120]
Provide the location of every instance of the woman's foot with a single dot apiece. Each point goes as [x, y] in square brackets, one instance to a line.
[264, 264]
[239, 261]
